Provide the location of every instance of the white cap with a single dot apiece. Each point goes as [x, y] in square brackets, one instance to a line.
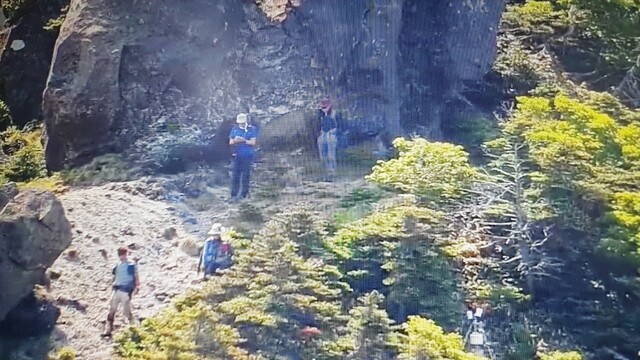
[241, 119]
[216, 229]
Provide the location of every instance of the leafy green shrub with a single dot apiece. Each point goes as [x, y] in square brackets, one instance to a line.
[361, 196]
[23, 158]
[423, 339]
[65, 353]
[520, 66]
[523, 346]
[370, 329]
[385, 224]
[250, 213]
[538, 17]
[433, 170]
[561, 355]
[624, 234]
[53, 183]
[343, 217]
[613, 25]
[56, 23]
[504, 297]
[268, 192]
[581, 150]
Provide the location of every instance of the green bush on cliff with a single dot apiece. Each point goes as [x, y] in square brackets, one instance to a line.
[22, 155]
[5, 116]
[535, 17]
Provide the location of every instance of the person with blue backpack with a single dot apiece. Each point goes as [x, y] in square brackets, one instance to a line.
[126, 283]
[215, 254]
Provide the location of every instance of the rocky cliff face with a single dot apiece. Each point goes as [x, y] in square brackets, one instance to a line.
[34, 231]
[25, 60]
[159, 77]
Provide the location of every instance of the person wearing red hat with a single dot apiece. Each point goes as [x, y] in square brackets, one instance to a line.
[328, 138]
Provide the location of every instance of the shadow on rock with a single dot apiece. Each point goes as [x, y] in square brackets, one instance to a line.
[35, 315]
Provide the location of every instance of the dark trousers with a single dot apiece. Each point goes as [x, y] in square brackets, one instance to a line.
[241, 174]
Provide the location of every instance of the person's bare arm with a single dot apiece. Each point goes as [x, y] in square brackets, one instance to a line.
[251, 142]
[236, 140]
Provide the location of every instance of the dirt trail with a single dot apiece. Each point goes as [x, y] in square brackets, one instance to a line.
[104, 219]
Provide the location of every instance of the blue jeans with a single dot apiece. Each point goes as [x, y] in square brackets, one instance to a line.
[210, 268]
[241, 174]
[327, 143]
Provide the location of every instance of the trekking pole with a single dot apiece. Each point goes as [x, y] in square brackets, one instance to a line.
[466, 336]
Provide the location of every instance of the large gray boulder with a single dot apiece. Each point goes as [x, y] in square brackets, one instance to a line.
[153, 75]
[33, 233]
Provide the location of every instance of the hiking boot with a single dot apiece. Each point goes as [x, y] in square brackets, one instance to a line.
[108, 330]
[234, 199]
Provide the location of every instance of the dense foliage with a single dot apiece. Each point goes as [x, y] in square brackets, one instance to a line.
[448, 164]
[22, 155]
[277, 303]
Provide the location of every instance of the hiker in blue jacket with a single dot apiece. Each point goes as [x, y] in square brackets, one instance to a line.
[242, 138]
[215, 254]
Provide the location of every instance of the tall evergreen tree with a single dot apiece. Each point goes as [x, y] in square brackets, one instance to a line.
[369, 329]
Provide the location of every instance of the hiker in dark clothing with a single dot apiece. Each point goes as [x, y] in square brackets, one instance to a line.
[243, 140]
[329, 125]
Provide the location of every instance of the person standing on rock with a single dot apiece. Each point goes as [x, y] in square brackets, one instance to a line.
[328, 125]
[126, 283]
[215, 254]
[242, 138]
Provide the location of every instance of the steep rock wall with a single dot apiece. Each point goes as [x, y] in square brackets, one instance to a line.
[447, 47]
[24, 70]
[158, 77]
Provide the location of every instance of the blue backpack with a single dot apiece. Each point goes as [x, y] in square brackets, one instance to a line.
[209, 253]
